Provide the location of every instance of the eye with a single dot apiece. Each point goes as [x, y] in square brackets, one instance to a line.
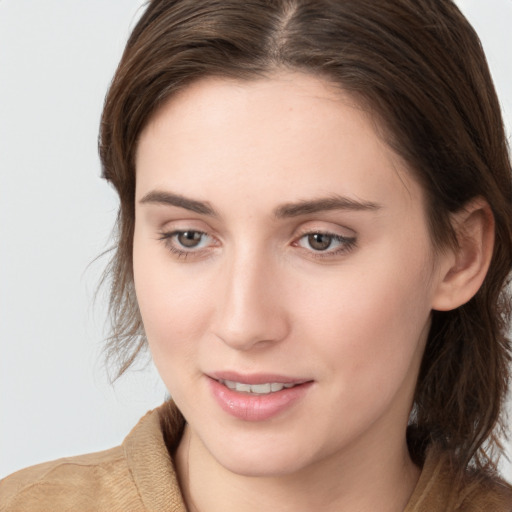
[319, 241]
[185, 242]
[189, 239]
[328, 243]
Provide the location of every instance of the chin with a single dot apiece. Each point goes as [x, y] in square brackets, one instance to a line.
[260, 466]
[258, 457]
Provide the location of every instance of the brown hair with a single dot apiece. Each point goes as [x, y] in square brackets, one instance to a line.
[420, 68]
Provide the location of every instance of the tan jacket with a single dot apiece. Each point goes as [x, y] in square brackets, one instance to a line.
[139, 476]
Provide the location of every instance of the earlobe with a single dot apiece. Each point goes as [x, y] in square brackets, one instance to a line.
[463, 268]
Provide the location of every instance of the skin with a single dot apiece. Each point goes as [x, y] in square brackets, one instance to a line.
[255, 296]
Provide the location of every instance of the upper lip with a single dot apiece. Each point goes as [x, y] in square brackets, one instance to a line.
[256, 378]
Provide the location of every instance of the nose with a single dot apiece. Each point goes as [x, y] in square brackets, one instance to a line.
[251, 311]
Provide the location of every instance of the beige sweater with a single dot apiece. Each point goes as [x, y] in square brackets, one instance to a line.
[139, 476]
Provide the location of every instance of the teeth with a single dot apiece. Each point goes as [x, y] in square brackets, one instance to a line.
[245, 388]
[229, 384]
[256, 389]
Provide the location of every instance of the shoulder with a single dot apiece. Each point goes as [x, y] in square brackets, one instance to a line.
[135, 476]
[439, 489]
[69, 483]
[485, 493]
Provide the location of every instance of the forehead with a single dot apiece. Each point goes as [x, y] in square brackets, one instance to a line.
[291, 130]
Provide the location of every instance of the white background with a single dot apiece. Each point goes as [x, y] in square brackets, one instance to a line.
[56, 60]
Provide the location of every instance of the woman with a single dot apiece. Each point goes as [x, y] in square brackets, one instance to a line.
[315, 234]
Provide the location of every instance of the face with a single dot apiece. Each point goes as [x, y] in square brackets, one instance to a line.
[284, 272]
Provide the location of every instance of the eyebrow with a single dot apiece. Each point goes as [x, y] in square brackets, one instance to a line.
[170, 199]
[286, 210]
[333, 202]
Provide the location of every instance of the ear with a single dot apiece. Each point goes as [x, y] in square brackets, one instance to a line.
[463, 268]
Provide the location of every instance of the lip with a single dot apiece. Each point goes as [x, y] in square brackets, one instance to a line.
[255, 378]
[255, 408]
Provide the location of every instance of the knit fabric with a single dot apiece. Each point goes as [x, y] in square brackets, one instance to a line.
[139, 476]
[438, 490]
[136, 476]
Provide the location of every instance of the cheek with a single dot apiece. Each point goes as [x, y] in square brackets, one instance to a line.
[370, 323]
[173, 306]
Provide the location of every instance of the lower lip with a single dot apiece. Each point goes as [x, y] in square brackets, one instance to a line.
[252, 407]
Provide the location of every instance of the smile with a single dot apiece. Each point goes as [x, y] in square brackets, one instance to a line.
[256, 389]
[262, 398]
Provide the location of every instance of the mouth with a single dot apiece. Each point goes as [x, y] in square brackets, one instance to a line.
[257, 397]
[266, 388]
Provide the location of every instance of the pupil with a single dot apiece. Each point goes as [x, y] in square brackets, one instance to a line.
[319, 242]
[189, 238]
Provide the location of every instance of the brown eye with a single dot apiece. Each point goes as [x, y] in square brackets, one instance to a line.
[189, 239]
[320, 241]
[188, 243]
[326, 244]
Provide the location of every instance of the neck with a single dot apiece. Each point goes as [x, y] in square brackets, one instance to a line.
[374, 476]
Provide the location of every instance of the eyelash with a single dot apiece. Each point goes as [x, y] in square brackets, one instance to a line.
[346, 243]
[167, 239]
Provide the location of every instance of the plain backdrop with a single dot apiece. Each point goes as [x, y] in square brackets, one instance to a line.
[56, 60]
